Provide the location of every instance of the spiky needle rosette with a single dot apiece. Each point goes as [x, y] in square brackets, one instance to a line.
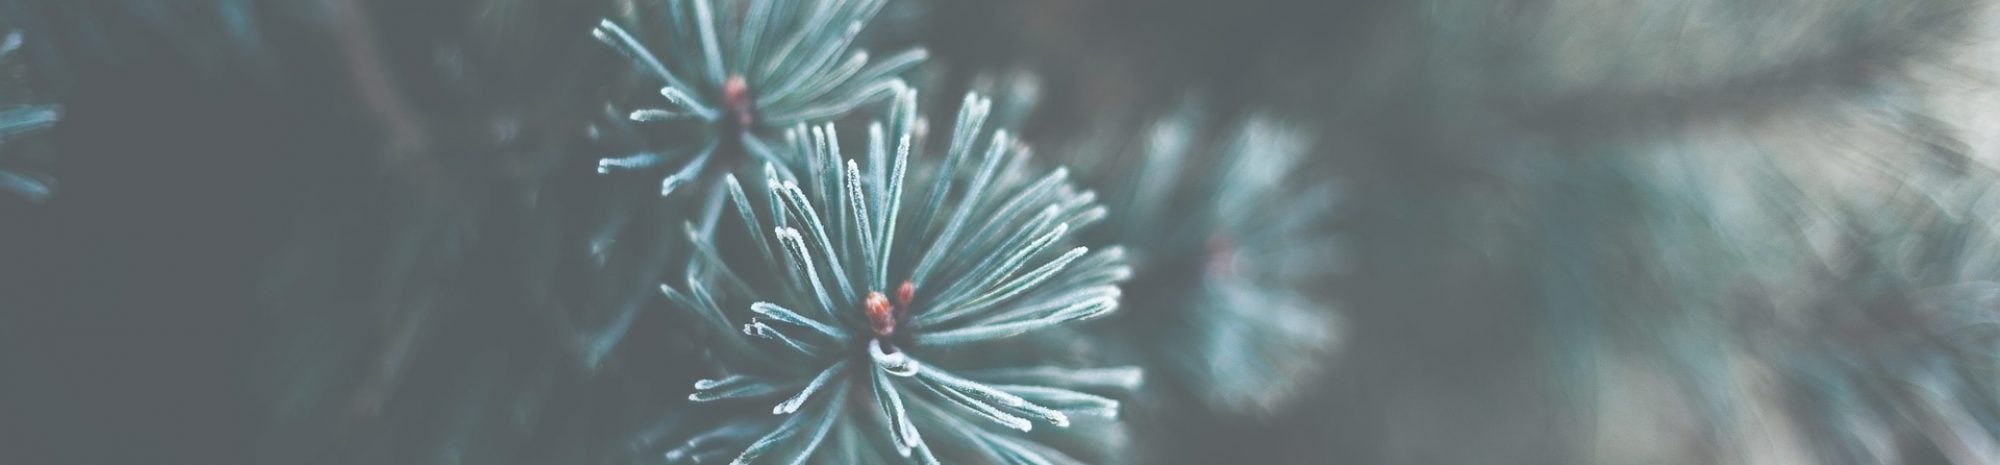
[1223, 239]
[859, 303]
[748, 69]
[17, 118]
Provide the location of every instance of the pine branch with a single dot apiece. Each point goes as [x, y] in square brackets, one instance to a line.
[859, 311]
[1224, 236]
[744, 71]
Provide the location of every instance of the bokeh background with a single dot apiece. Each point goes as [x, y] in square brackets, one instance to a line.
[1574, 231]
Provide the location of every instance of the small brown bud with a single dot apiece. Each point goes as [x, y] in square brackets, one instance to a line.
[736, 100]
[905, 293]
[881, 316]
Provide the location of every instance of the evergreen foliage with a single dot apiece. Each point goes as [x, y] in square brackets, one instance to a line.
[1225, 238]
[972, 251]
[744, 71]
[708, 231]
[19, 117]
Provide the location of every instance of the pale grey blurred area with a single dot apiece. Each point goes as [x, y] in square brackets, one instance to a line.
[1612, 232]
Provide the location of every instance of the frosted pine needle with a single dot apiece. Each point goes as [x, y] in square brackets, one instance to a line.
[17, 119]
[873, 297]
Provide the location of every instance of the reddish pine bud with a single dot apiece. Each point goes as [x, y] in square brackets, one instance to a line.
[881, 316]
[736, 100]
[905, 293]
